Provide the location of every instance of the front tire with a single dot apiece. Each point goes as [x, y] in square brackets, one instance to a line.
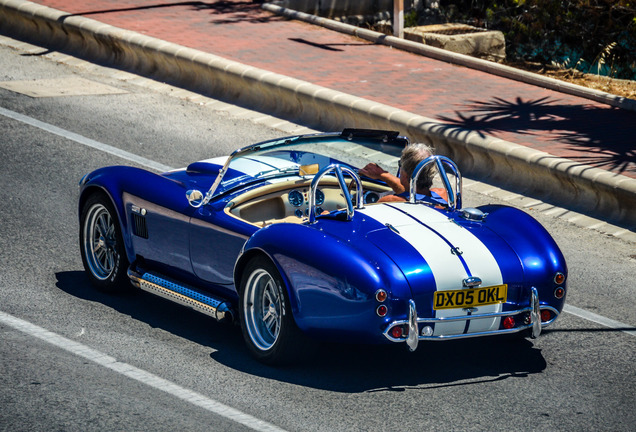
[268, 326]
[102, 245]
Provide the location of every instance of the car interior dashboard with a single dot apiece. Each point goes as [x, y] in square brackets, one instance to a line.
[288, 201]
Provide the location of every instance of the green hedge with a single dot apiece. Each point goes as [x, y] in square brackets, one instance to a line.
[596, 36]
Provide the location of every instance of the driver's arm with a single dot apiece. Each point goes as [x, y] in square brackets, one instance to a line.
[374, 171]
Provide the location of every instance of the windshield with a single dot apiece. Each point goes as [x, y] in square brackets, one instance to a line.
[306, 155]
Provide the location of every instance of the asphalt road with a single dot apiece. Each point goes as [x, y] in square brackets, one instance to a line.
[72, 358]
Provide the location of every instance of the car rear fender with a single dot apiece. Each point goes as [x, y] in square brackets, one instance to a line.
[539, 254]
[331, 281]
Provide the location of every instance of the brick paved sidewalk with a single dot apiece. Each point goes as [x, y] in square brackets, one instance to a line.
[562, 125]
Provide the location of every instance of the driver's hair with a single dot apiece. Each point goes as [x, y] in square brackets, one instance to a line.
[412, 155]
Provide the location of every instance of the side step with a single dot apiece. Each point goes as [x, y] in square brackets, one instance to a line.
[185, 295]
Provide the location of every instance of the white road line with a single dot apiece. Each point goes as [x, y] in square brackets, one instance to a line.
[137, 374]
[84, 141]
[599, 319]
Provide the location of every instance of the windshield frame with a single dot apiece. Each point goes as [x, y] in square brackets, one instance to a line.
[384, 138]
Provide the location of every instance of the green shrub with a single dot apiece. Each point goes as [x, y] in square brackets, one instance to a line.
[597, 36]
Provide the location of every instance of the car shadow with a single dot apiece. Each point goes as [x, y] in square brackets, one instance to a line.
[348, 368]
[353, 368]
[156, 312]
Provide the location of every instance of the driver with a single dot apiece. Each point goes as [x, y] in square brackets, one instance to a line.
[411, 156]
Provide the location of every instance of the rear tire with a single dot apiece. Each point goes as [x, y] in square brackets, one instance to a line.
[102, 245]
[269, 329]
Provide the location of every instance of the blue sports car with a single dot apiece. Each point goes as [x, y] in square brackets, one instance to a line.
[287, 238]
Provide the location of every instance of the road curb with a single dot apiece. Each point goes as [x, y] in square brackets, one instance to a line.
[524, 169]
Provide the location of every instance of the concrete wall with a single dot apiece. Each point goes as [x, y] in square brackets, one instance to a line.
[336, 8]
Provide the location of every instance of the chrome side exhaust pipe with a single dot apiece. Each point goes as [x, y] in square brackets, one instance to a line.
[202, 302]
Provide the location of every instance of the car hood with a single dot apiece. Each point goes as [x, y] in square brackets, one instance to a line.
[437, 253]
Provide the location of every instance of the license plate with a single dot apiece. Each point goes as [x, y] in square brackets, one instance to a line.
[470, 297]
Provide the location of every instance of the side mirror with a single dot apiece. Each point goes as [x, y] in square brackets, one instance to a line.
[195, 198]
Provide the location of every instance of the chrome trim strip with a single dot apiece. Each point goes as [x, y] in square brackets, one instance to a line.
[471, 335]
[480, 316]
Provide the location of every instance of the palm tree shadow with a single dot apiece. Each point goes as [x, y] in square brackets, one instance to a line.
[593, 135]
[346, 368]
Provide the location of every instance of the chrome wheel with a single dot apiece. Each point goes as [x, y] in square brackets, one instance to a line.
[265, 311]
[100, 242]
[263, 306]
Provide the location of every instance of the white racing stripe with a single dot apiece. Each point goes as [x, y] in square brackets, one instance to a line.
[447, 268]
[478, 258]
[137, 374]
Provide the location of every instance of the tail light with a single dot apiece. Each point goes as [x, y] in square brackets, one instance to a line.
[382, 310]
[508, 322]
[546, 315]
[397, 332]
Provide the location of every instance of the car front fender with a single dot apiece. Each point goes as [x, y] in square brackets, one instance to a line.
[116, 181]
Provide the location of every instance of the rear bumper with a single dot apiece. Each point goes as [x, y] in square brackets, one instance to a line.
[525, 318]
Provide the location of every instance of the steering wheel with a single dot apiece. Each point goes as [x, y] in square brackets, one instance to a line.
[339, 170]
[454, 194]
